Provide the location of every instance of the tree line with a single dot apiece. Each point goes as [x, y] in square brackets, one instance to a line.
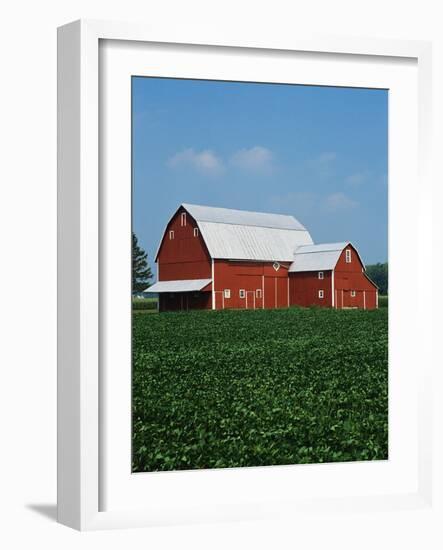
[378, 273]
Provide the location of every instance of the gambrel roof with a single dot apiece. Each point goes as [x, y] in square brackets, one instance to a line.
[318, 257]
[243, 235]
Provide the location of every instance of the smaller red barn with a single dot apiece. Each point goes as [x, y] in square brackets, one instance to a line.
[331, 275]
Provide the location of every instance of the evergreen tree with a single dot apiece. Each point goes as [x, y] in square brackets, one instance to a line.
[141, 272]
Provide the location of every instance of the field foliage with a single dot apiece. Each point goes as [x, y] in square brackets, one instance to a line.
[249, 388]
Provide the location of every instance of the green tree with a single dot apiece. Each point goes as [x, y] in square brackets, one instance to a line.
[141, 272]
[379, 274]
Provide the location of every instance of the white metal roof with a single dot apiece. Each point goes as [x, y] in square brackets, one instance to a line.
[186, 285]
[243, 235]
[242, 217]
[317, 257]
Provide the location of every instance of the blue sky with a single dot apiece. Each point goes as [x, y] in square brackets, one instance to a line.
[317, 153]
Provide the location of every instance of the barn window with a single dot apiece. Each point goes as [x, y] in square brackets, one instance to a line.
[276, 266]
[227, 292]
[321, 293]
[348, 255]
[183, 219]
[353, 293]
[258, 293]
[195, 231]
[171, 235]
[321, 275]
[242, 293]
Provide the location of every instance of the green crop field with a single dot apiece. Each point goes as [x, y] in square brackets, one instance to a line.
[251, 388]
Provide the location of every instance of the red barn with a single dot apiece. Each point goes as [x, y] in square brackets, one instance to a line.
[217, 258]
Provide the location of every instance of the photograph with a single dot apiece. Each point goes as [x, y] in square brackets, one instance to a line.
[259, 274]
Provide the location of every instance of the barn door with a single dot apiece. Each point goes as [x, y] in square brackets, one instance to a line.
[250, 299]
[219, 299]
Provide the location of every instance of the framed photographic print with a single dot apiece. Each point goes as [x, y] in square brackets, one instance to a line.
[293, 371]
[230, 346]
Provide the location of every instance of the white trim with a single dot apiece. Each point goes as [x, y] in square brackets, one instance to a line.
[333, 297]
[364, 299]
[263, 293]
[196, 231]
[275, 292]
[183, 219]
[227, 293]
[321, 294]
[376, 299]
[348, 256]
[321, 275]
[158, 276]
[171, 234]
[213, 283]
[240, 292]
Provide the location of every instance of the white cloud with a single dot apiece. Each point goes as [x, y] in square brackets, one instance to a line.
[357, 179]
[256, 159]
[205, 161]
[322, 165]
[301, 202]
[307, 204]
[339, 201]
[329, 156]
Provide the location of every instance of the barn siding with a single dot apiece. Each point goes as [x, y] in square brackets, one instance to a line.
[250, 276]
[304, 289]
[350, 276]
[185, 256]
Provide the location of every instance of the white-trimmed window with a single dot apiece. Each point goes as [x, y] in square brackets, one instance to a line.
[171, 235]
[183, 219]
[227, 292]
[276, 266]
[258, 293]
[348, 256]
[321, 275]
[195, 231]
[242, 293]
[321, 294]
[353, 294]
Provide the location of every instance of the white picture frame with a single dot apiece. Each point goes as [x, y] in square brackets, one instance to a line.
[83, 208]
